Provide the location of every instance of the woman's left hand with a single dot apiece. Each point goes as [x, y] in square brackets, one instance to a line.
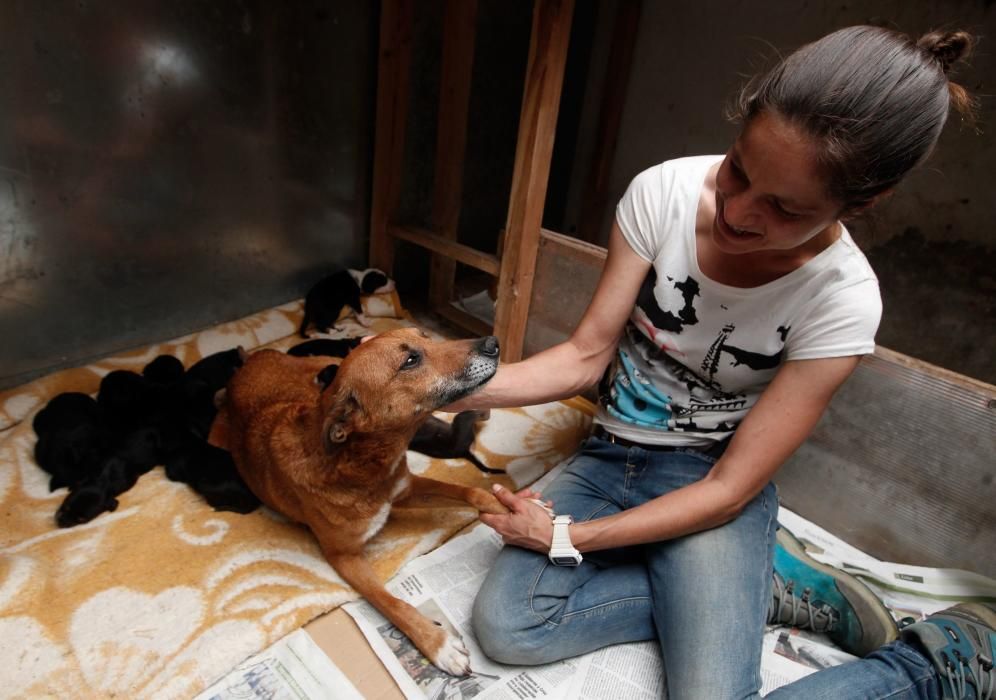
[527, 525]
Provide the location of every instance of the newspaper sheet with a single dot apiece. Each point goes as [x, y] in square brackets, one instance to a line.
[788, 654]
[443, 584]
[295, 668]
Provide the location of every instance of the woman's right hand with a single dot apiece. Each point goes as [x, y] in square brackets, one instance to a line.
[528, 523]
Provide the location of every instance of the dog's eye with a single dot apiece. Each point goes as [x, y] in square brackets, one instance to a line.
[414, 359]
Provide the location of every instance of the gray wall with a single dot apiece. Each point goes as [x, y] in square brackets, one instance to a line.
[932, 245]
[165, 166]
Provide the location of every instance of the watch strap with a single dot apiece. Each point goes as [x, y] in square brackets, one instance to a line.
[562, 550]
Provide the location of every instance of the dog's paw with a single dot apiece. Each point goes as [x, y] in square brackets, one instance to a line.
[452, 656]
[482, 414]
[486, 502]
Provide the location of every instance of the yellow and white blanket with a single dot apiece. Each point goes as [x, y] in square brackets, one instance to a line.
[164, 595]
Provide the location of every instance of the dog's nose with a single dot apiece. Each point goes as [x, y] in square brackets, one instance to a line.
[488, 346]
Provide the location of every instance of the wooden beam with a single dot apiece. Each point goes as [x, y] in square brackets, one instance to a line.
[537, 125]
[596, 186]
[459, 30]
[463, 319]
[567, 246]
[444, 246]
[393, 77]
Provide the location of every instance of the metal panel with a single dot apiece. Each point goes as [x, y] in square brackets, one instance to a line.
[165, 166]
[903, 465]
[567, 271]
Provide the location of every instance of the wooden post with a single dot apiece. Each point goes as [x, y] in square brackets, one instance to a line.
[537, 124]
[393, 66]
[459, 30]
[596, 185]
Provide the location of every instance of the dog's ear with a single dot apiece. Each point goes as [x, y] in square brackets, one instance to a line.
[220, 434]
[339, 422]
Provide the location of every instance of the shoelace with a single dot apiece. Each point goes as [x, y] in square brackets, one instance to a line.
[822, 619]
[956, 676]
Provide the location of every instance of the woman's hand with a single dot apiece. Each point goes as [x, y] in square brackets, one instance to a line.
[528, 525]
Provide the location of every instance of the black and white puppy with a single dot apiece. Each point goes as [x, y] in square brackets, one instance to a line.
[327, 298]
[437, 438]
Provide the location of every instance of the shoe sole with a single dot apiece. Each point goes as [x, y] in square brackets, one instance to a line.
[976, 612]
[864, 601]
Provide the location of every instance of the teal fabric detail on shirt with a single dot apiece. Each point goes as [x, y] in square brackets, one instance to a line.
[635, 400]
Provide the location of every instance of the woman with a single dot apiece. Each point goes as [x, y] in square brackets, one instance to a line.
[732, 305]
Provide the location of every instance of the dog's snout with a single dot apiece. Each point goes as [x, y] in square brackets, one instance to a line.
[488, 346]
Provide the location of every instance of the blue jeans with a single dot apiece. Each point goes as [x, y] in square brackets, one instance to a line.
[704, 597]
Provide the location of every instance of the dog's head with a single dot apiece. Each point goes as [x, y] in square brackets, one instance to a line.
[393, 382]
[372, 281]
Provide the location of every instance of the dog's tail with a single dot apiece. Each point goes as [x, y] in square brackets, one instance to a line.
[462, 437]
[472, 458]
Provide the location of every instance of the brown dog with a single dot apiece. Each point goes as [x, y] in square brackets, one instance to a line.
[335, 459]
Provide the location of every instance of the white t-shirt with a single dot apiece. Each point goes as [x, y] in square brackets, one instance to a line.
[696, 354]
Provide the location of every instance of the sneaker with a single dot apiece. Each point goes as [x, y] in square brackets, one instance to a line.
[960, 642]
[814, 596]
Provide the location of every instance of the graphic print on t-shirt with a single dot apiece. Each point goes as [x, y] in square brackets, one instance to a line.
[634, 398]
[665, 319]
[650, 387]
[754, 360]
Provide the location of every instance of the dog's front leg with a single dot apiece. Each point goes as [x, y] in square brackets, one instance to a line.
[445, 650]
[421, 490]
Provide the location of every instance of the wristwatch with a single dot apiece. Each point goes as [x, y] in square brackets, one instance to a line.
[562, 551]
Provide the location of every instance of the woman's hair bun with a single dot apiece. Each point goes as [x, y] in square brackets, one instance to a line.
[947, 48]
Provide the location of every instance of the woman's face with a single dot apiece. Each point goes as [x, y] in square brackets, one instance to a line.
[769, 193]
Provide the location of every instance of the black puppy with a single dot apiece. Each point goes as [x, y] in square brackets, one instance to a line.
[71, 454]
[210, 471]
[71, 439]
[136, 453]
[65, 410]
[326, 299]
[85, 502]
[127, 400]
[165, 370]
[153, 399]
[437, 438]
[324, 347]
[99, 448]
[200, 384]
[326, 376]
[216, 369]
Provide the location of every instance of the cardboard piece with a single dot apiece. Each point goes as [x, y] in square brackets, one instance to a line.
[340, 638]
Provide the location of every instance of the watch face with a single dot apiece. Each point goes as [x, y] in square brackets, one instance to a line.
[566, 561]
